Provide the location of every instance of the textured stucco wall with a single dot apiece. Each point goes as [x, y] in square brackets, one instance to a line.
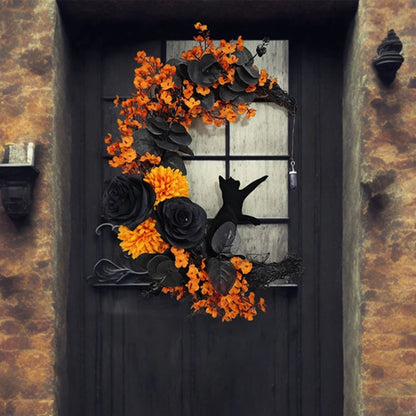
[379, 218]
[33, 260]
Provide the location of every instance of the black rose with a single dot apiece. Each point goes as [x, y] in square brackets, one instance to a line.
[128, 200]
[181, 222]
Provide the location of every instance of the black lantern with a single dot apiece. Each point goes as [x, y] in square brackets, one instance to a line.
[17, 176]
[389, 58]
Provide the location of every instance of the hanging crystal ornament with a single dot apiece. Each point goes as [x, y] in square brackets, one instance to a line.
[293, 175]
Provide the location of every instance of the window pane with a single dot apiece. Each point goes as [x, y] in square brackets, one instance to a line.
[275, 61]
[267, 132]
[203, 184]
[207, 139]
[259, 240]
[264, 134]
[269, 200]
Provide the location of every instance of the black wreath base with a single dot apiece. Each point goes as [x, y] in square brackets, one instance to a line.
[264, 274]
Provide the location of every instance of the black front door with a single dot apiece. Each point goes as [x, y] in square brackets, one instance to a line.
[132, 355]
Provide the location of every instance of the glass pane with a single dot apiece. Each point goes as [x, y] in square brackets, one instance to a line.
[203, 184]
[267, 132]
[275, 61]
[207, 139]
[269, 199]
[259, 242]
[264, 134]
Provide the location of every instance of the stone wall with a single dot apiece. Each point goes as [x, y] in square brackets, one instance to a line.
[31, 253]
[379, 218]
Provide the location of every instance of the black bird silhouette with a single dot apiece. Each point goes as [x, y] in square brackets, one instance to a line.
[232, 209]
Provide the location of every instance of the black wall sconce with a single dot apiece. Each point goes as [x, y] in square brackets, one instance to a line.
[17, 177]
[389, 58]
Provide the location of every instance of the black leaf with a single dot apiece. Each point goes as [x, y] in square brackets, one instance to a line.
[226, 94]
[245, 76]
[144, 142]
[238, 85]
[166, 144]
[152, 266]
[174, 161]
[183, 139]
[222, 275]
[244, 57]
[157, 125]
[186, 150]
[207, 101]
[223, 238]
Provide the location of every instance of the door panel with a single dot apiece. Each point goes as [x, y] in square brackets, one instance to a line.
[131, 354]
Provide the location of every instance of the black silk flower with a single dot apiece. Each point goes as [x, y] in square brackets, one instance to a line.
[128, 201]
[181, 222]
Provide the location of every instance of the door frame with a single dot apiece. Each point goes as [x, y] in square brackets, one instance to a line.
[320, 385]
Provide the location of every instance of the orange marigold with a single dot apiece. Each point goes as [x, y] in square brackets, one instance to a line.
[167, 183]
[143, 239]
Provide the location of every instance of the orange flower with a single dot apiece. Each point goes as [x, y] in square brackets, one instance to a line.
[154, 160]
[200, 26]
[143, 239]
[178, 290]
[168, 84]
[243, 265]
[126, 142]
[263, 77]
[202, 90]
[226, 47]
[166, 97]
[242, 108]
[128, 155]
[193, 283]
[167, 183]
[189, 90]
[240, 43]
[191, 103]
[181, 257]
[272, 82]
[113, 148]
[207, 118]
[251, 113]
[140, 56]
[116, 162]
